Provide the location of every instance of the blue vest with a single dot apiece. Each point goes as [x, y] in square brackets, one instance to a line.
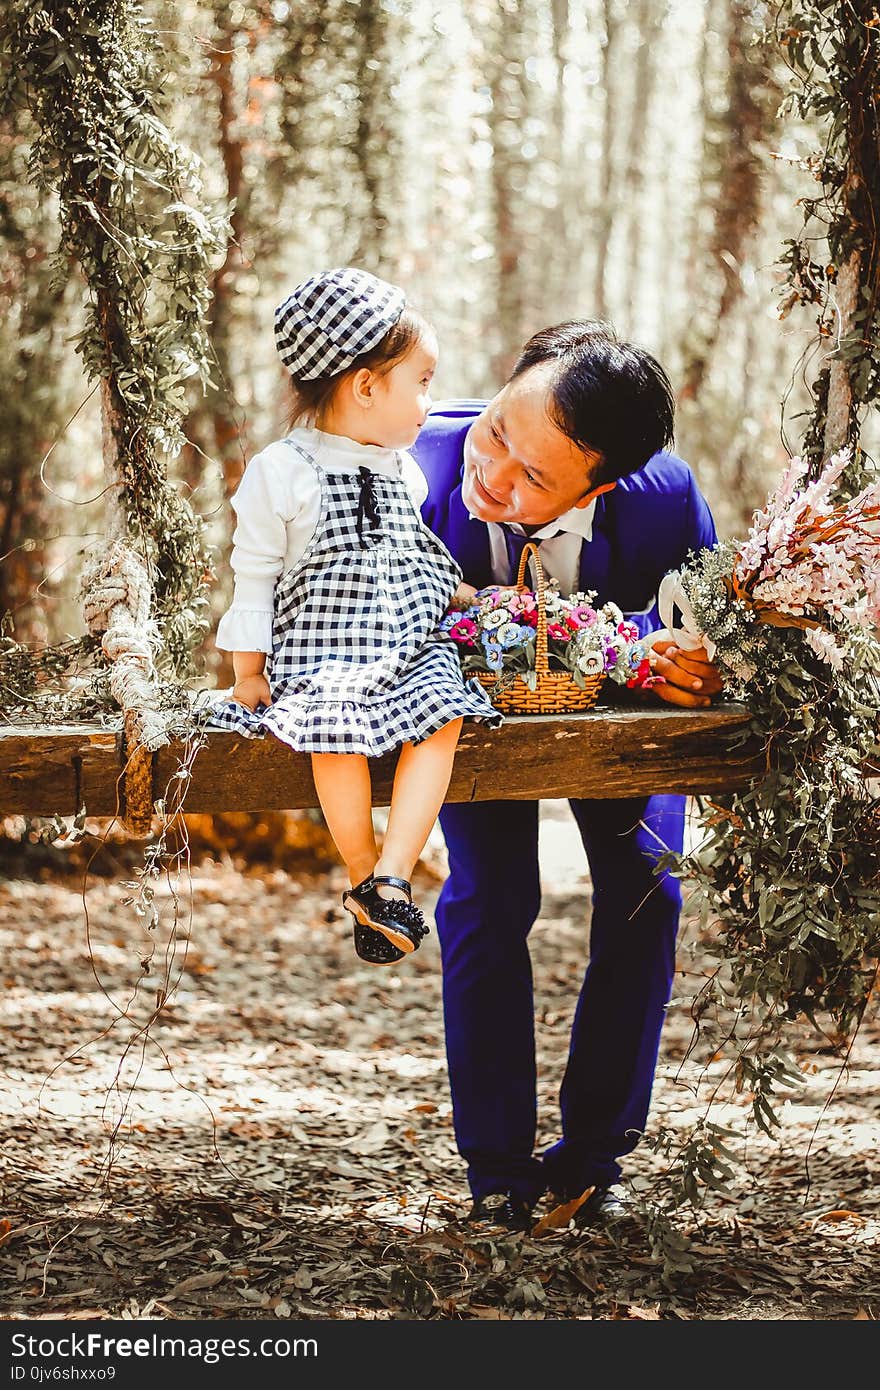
[647, 525]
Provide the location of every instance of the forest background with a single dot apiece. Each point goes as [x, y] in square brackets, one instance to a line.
[511, 164]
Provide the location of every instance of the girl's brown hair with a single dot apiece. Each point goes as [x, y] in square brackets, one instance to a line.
[312, 398]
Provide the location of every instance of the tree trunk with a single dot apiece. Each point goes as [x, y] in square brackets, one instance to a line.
[22, 552]
[509, 179]
[30, 421]
[214, 428]
[564, 215]
[747, 124]
[607, 199]
[840, 413]
[851, 210]
[650, 20]
[375, 144]
[678, 280]
[32, 349]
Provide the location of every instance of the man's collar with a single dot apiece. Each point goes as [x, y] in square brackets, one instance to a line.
[578, 521]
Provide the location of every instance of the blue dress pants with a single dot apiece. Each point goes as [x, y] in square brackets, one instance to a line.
[484, 914]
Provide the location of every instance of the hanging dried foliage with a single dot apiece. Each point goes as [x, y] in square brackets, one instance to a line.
[788, 872]
[88, 72]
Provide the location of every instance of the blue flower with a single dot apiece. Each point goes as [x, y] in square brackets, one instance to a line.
[494, 653]
[451, 618]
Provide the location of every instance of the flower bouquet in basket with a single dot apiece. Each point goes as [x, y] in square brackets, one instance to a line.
[542, 653]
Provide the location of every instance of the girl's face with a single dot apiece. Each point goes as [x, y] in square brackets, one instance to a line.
[401, 398]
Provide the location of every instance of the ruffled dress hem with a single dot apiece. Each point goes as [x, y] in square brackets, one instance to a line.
[308, 725]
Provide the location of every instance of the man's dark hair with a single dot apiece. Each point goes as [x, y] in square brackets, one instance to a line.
[607, 396]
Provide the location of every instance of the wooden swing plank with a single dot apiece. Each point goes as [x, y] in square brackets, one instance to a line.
[59, 769]
[606, 752]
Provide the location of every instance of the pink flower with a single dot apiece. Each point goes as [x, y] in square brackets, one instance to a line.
[628, 631]
[521, 603]
[584, 614]
[558, 632]
[465, 630]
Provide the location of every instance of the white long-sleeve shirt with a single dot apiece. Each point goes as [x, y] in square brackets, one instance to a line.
[277, 506]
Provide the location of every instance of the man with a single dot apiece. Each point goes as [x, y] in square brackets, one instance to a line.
[571, 454]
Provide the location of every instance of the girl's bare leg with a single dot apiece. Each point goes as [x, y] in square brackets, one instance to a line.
[342, 781]
[420, 784]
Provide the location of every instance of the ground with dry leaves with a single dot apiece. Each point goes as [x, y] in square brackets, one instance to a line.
[279, 1143]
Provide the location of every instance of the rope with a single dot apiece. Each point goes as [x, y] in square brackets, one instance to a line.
[115, 590]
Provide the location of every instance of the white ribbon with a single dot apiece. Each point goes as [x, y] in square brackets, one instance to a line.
[671, 595]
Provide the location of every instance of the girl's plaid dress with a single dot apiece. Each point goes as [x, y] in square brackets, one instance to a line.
[358, 664]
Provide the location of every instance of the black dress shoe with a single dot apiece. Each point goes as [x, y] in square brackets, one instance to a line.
[501, 1209]
[401, 922]
[604, 1206]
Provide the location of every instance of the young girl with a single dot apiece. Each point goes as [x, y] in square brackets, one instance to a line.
[340, 587]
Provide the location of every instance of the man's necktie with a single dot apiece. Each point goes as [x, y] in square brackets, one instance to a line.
[515, 545]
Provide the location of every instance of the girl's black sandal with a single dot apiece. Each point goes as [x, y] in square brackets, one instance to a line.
[371, 945]
[354, 900]
[402, 923]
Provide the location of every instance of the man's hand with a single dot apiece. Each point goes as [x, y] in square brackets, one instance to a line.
[251, 691]
[689, 678]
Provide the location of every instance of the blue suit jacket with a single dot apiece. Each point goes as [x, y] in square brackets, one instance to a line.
[645, 527]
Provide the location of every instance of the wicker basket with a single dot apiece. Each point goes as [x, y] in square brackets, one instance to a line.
[555, 692]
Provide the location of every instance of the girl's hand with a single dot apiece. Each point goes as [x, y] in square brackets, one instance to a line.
[251, 691]
[463, 597]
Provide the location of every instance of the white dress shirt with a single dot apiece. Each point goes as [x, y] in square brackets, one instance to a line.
[277, 506]
[559, 546]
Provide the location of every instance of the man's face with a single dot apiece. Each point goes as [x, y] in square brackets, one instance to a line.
[518, 465]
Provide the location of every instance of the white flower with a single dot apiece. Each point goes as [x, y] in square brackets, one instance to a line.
[825, 647]
[743, 669]
[510, 635]
[496, 617]
[590, 663]
[611, 613]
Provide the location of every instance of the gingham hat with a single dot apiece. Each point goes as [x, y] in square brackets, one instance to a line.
[332, 318]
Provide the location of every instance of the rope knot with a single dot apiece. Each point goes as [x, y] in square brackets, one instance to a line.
[116, 592]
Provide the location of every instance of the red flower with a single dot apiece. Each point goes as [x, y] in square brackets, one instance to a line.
[644, 676]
